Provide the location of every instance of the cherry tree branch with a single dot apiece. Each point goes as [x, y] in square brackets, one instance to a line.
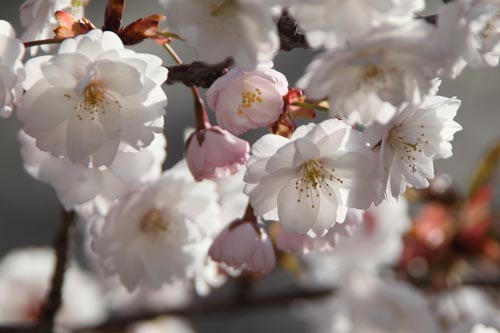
[54, 297]
[206, 308]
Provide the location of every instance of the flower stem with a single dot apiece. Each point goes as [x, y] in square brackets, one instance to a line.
[311, 106]
[200, 112]
[44, 42]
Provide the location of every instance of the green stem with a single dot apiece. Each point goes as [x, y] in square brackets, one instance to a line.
[311, 106]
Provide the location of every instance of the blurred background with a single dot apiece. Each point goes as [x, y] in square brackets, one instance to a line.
[29, 210]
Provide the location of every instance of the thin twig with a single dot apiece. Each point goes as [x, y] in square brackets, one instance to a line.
[54, 297]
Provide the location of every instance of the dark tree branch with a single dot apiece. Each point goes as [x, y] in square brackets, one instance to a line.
[54, 297]
[209, 307]
[290, 36]
[198, 73]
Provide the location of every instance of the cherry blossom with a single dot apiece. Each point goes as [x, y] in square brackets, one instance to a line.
[244, 100]
[92, 95]
[215, 153]
[38, 18]
[480, 328]
[25, 281]
[163, 324]
[148, 236]
[469, 33]
[371, 77]
[244, 244]
[217, 29]
[332, 23]
[407, 145]
[91, 191]
[307, 182]
[367, 303]
[376, 243]
[11, 69]
[296, 243]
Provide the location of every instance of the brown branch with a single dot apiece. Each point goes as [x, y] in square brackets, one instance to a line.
[290, 36]
[198, 73]
[54, 297]
[206, 308]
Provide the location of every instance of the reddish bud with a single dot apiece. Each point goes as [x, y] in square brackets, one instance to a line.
[141, 29]
[70, 26]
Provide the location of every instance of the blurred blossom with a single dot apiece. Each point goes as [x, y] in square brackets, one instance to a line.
[11, 69]
[369, 79]
[367, 303]
[38, 18]
[91, 191]
[94, 94]
[154, 225]
[333, 23]
[217, 29]
[244, 100]
[296, 243]
[460, 309]
[481, 328]
[25, 277]
[375, 244]
[469, 34]
[164, 324]
[307, 182]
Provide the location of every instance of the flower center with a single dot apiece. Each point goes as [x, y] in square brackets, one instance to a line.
[248, 98]
[373, 72]
[408, 149]
[217, 7]
[314, 178]
[153, 223]
[491, 28]
[94, 100]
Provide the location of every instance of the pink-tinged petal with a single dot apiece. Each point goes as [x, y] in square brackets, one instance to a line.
[84, 137]
[297, 212]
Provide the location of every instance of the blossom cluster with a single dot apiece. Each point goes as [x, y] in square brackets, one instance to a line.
[92, 113]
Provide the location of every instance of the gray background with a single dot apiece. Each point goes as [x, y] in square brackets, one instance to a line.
[29, 209]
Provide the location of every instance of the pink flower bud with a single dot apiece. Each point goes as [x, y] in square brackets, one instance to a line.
[215, 153]
[244, 244]
[246, 100]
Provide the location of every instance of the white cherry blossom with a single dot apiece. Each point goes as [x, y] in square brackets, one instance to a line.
[151, 236]
[91, 191]
[244, 100]
[308, 181]
[25, 281]
[38, 18]
[11, 69]
[469, 34]
[217, 29]
[370, 78]
[92, 95]
[332, 23]
[407, 146]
